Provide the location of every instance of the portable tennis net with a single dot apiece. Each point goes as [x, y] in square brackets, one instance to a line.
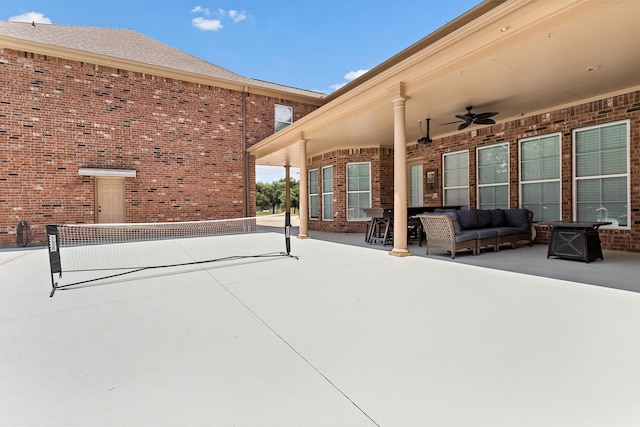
[118, 249]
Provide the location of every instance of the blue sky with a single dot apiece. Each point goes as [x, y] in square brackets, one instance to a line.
[315, 45]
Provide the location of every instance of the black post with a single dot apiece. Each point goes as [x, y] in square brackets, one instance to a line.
[287, 231]
[54, 255]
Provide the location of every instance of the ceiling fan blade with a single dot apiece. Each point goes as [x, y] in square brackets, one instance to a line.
[464, 125]
[485, 115]
[450, 123]
[484, 122]
[465, 117]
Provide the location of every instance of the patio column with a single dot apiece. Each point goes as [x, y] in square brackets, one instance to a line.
[304, 189]
[399, 173]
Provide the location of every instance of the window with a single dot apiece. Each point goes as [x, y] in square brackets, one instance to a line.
[601, 173]
[540, 190]
[313, 193]
[284, 116]
[416, 197]
[455, 178]
[358, 190]
[327, 193]
[493, 177]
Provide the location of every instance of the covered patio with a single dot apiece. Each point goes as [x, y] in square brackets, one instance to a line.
[538, 65]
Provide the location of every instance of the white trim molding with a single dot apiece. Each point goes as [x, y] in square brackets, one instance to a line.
[127, 173]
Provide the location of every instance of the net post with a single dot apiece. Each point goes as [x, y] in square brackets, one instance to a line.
[287, 231]
[54, 256]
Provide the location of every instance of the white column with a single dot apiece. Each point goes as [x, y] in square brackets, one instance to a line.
[399, 174]
[304, 189]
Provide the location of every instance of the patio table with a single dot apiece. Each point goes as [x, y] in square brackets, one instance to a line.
[577, 240]
[380, 228]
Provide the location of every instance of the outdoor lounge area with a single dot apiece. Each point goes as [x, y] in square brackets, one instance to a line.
[476, 228]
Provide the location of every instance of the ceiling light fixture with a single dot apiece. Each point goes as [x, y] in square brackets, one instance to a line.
[427, 138]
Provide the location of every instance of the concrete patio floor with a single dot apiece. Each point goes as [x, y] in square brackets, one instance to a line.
[618, 270]
[343, 336]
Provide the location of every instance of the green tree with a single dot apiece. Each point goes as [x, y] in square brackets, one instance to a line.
[295, 193]
[272, 195]
[268, 195]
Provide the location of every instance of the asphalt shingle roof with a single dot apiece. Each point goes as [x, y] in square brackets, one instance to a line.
[130, 45]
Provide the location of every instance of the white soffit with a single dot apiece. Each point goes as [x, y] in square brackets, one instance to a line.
[127, 173]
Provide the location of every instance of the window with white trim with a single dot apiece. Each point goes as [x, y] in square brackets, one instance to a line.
[327, 193]
[601, 173]
[455, 179]
[493, 176]
[313, 193]
[540, 189]
[358, 190]
[416, 184]
[284, 116]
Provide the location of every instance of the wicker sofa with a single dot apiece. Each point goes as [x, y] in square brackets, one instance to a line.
[476, 228]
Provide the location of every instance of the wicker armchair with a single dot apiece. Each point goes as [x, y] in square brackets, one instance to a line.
[441, 234]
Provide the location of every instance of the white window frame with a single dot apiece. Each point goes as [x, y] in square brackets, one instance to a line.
[327, 192]
[415, 183]
[313, 195]
[444, 180]
[626, 175]
[558, 180]
[500, 184]
[283, 116]
[361, 215]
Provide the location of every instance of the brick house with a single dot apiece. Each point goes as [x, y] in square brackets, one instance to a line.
[564, 80]
[104, 125]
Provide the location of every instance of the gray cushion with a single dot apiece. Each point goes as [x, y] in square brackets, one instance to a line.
[468, 219]
[517, 218]
[466, 235]
[454, 220]
[484, 217]
[509, 231]
[485, 233]
[498, 218]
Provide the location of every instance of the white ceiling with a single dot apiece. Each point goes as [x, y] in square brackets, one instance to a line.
[554, 53]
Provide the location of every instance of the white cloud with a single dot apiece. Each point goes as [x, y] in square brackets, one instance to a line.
[36, 17]
[237, 16]
[351, 75]
[205, 24]
[200, 9]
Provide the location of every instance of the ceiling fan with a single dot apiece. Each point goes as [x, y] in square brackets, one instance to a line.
[471, 118]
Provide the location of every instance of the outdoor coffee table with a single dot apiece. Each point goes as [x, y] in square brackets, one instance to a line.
[577, 240]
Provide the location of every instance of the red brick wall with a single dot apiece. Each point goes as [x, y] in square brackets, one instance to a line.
[183, 139]
[562, 121]
[381, 160]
